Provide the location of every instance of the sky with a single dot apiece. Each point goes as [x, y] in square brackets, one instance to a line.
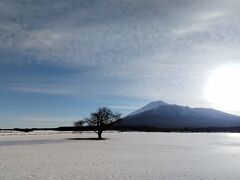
[61, 60]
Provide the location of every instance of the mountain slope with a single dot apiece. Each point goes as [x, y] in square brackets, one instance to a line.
[149, 106]
[175, 116]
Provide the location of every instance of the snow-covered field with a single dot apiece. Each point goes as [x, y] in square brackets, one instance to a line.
[132, 155]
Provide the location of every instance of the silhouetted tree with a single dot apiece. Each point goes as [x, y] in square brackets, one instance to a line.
[79, 123]
[99, 120]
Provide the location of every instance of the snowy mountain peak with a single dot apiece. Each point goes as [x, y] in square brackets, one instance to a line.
[149, 106]
[163, 115]
[157, 104]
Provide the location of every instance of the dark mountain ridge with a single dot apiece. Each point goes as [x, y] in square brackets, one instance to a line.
[175, 116]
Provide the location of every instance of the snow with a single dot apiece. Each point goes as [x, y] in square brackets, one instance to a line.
[149, 106]
[128, 155]
[213, 113]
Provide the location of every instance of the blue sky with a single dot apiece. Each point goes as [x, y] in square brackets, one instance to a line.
[60, 60]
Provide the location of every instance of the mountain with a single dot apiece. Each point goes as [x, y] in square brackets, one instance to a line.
[149, 106]
[163, 115]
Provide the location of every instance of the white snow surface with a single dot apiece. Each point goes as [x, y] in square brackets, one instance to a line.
[128, 155]
[149, 106]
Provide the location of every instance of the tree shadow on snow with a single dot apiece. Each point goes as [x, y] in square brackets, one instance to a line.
[86, 139]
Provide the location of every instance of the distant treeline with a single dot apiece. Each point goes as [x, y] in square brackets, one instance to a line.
[133, 128]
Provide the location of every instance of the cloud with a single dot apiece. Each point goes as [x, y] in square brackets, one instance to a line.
[144, 49]
[123, 107]
[77, 33]
[43, 90]
[80, 23]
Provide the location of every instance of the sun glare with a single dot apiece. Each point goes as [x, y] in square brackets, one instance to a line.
[222, 89]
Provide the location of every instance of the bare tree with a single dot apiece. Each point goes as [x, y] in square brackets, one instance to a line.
[99, 120]
[79, 123]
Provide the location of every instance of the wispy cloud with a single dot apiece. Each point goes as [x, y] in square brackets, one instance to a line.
[156, 49]
[123, 107]
[70, 34]
[43, 90]
[203, 22]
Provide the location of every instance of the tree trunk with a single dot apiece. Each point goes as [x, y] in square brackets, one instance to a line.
[99, 135]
